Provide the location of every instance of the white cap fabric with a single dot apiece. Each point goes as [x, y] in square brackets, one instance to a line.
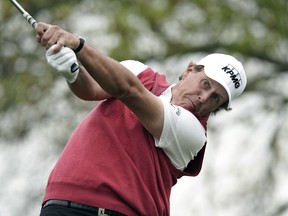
[227, 71]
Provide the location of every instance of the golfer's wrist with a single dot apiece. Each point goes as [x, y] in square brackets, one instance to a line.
[80, 45]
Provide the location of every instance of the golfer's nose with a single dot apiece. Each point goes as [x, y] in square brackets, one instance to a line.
[204, 96]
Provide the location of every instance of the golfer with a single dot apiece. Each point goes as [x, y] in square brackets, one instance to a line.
[126, 155]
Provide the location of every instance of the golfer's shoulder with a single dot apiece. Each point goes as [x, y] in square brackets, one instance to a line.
[134, 66]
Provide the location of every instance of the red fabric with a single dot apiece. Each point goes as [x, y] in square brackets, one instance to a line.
[111, 161]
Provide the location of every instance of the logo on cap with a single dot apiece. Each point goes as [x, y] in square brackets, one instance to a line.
[234, 75]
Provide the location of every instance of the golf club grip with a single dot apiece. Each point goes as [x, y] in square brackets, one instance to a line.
[30, 19]
[25, 14]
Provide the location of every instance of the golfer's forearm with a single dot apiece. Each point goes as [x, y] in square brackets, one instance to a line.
[109, 74]
[86, 88]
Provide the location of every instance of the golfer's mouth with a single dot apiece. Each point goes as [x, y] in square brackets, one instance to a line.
[193, 105]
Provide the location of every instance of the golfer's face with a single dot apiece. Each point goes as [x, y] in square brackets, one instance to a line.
[198, 93]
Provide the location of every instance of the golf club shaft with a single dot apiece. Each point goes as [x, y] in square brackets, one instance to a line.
[25, 14]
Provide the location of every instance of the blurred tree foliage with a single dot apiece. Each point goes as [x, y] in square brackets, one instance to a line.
[143, 30]
[254, 31]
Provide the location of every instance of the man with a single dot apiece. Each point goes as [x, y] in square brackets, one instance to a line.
[126, 155]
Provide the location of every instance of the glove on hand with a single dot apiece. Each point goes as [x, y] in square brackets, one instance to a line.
[65, 62]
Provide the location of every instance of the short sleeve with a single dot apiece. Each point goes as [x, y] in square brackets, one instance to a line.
[182, 137]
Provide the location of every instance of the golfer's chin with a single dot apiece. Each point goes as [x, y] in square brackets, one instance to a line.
[201, 113]
[193, 110]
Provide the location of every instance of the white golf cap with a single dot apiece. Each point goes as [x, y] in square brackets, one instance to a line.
[227, 71]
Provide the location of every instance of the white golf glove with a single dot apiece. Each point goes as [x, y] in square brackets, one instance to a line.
[65, 62]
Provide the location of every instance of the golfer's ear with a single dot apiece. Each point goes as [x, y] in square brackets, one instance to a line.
[188, 70]
[190, 67]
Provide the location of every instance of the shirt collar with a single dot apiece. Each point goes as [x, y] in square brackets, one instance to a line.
[167, 94]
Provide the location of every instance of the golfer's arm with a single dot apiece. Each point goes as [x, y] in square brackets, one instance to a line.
[121, 83]
[86, 88]
[109, 74]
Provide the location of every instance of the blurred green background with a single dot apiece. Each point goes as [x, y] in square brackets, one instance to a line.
[245, 169]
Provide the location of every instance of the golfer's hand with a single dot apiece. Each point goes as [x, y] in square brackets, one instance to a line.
[49, 35]
[64, 61]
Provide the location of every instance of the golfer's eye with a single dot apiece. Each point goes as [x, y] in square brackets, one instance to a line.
[215, 97]
[206, 84]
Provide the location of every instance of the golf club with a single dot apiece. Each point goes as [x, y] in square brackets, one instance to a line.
[25, 14]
